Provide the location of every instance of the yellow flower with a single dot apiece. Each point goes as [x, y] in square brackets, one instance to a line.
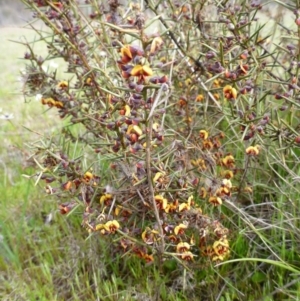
[203, 193]
[100, 228]
[141, 70]
[150, 236]
[182, 247]
[228, 161]
[88, 176]
[172, 238]
[186, 206]
[161, 202]
[127, 110]
[118, 210]
[171, 207]
[229, 92]
[223, 191]
[126, 54]
[207, 144]
[217, 83]
[199, 98]
[89, 81]
[228, 174]
[157, 176]
[216, 96]
[226, 183]
[253, 150]
[148, 258]
[180, 229]
[215, 200]
[48, 101]
[221, 249]
[62, 85]
[58, 104]
[52, 102]
[200, 163]
[203, 134]
[188, 256]
[112, 226]
[132, 128]
[106, 198]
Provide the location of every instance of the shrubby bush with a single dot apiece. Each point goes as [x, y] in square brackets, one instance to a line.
[176, 116]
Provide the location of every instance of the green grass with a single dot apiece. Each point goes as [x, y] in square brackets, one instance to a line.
[55, 260]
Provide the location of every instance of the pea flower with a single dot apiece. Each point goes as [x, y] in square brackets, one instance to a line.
[253, 150]
[229, 92]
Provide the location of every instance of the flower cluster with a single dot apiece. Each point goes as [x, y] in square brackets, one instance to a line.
[165, 138]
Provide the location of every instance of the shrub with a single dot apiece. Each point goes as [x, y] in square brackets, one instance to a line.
[171, 112]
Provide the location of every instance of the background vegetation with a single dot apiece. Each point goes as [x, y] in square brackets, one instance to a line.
[46, 256]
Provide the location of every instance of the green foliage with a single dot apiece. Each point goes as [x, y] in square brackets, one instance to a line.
[179, 146]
